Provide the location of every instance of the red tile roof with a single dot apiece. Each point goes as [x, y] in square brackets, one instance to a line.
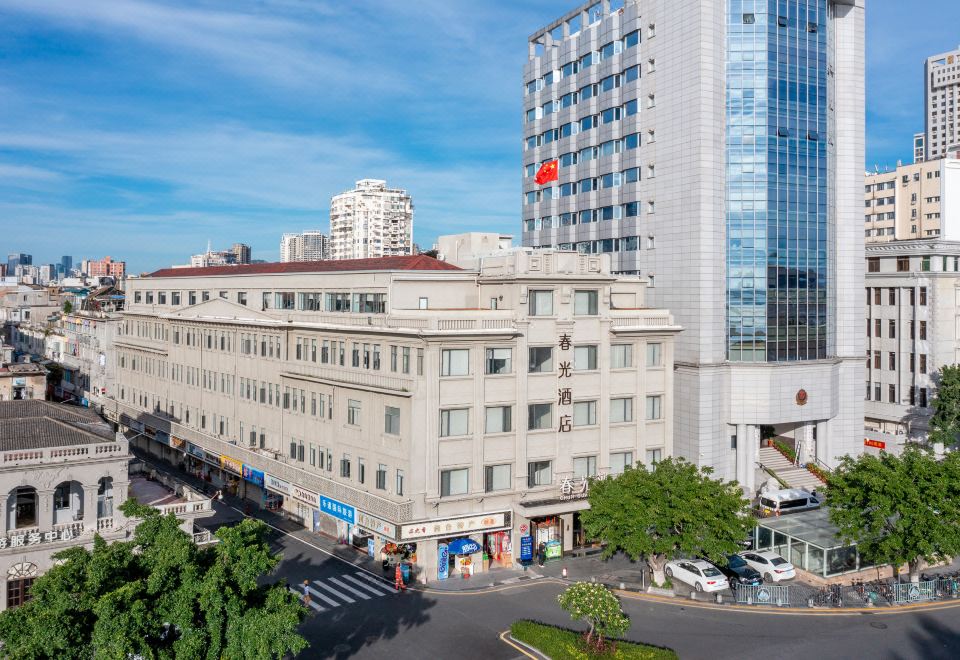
[416, 262]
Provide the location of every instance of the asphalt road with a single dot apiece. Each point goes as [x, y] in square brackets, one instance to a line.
[416, 625]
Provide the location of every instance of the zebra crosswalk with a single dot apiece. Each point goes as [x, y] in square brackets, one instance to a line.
[333, 592]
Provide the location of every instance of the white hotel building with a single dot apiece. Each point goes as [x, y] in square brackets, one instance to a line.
[404, 397]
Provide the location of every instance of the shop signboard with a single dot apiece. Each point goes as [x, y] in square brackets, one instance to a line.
[553, 550]
[253, 475]
[451, 526]
[276, 485]
[338, 510]
[443, 561]
[19, 382]
[371, 547]
[177, 443]
[231, 465]
[306, 496]
[526, 548]
[376, 525]
[162, 437]
[194, 450]
[211, 457]
[876, 444]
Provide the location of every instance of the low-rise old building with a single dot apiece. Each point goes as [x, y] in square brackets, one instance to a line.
[458, 414]
[64, 474]
[22, 381]
[913, 330]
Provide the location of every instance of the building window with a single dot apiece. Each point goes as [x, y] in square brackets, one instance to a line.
[923, 330]
[539, 473]
[654, 456]
[893, 393]
[585, 303]
[923, 296]
[541, 303]
[584, 413]
[584, 358]
[391, 420]
[353, 412]
[454, 482]
[399, 482]
[893, 328]
[18, 591]
[923, 363]
[424, 303]
[619, 461]
[584, 467]
[499, 360]
[454, 422]
[621, 410]
[877, 296]
[496, 477]
[345, 466]
[873, 265]
[539, 416]
[654, 355]
[455, 362]
[923, 397]
[381, 477]
[541, 359]
[361, 470]
[499, 419]
[876, 392]
[892, 361]
[654, 407]
[621, 356]
[903, 264]
[925, 264]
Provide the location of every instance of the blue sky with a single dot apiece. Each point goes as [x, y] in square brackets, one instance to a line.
[141, 129]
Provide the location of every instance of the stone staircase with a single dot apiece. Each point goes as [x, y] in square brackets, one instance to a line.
[796, 477]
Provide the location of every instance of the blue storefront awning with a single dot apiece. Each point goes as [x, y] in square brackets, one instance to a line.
[463, 547]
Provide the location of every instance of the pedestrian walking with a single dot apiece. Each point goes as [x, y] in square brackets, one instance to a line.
[542, 554]
[398, 579]
[306, 593]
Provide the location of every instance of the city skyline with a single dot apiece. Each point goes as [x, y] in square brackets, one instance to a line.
[255, 146]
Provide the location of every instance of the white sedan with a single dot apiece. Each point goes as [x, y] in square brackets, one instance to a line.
[702, 575]
[770, 565]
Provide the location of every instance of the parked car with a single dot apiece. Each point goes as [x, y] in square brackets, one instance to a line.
[787, 500]
[700, 574]
[770, 565]
[739, 572]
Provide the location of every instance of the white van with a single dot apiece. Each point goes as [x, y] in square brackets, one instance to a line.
[788, 500]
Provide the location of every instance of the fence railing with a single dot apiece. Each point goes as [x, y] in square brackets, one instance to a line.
[914, 592]
[764, 594]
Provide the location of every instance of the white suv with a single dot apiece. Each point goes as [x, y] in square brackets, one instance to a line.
[770, 565]
[702, 575]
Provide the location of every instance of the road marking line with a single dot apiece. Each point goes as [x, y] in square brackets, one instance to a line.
[307, 543]
[503, 638]
[334, 591]
[378, 583]
[306, 602]
[328, 601]
[363, 585]
[352, 590]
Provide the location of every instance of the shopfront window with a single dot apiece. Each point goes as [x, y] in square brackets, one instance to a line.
[841, 560]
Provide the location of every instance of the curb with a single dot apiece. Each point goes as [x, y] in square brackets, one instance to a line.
[523, 647]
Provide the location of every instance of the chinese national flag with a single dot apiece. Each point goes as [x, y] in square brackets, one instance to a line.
[549, 171]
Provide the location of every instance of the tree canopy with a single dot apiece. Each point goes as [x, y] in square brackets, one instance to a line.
[898, 509]
[595, 604]
[158, 596]
[945, 424]
[675, 509]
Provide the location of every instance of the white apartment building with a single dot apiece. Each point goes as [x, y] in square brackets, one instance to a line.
[371, 221]
[918, 201]
[913, 330]
[310, 245]
[942, 94]
[404, 397]
[717, 149]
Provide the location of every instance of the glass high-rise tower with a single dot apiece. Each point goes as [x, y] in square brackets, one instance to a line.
[715, 148]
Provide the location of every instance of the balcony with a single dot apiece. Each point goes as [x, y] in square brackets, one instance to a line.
[52, 455]
[164, 493]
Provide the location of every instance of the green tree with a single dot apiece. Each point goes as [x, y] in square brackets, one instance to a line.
[673, 510]
[898, 509]
[595, 604]
[67, 306]
[945, 424]
[158, 596]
